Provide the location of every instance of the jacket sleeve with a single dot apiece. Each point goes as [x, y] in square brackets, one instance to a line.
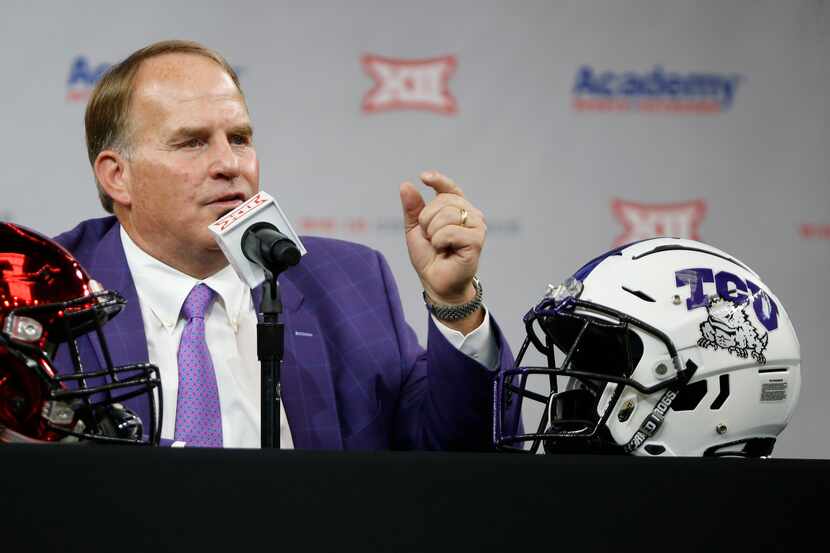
[446, 397]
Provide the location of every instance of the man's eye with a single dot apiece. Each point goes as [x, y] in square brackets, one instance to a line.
[192, 143]
[240, 139]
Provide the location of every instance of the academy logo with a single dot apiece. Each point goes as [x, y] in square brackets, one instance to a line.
[641, 221]
[83, 75]
[410, 84]
[655, 91]
[728, 327]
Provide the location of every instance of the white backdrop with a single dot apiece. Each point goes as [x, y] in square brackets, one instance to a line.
[729, 143]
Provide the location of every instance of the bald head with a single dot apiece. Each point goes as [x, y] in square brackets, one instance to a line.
[108, 121]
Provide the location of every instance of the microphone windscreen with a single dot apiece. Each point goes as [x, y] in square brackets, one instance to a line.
[228, 232]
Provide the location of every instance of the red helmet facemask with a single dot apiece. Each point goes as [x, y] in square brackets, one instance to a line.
[47, 301]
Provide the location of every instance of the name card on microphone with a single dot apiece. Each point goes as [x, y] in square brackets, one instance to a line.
[228, 231]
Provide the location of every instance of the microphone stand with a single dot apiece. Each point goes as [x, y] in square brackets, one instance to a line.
[270, 347]
[263, 244]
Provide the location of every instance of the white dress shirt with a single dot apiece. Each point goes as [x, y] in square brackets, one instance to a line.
[230, 332]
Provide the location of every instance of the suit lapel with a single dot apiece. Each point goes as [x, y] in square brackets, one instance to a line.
[307, 381]
[124, 334]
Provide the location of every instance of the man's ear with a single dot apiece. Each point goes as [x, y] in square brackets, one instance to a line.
[113, 174]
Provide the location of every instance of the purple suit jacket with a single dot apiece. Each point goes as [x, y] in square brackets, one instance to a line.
[354, 375]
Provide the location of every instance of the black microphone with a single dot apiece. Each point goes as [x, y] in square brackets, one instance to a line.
[259, 253]
[266, 246]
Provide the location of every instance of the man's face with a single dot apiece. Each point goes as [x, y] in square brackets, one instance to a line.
[191, 157]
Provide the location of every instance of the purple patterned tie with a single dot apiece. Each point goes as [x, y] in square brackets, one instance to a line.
[198, 414]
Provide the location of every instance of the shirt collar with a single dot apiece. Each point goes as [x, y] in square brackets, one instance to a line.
[164, 289]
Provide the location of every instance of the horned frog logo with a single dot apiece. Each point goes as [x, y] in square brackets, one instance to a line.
[728, 327]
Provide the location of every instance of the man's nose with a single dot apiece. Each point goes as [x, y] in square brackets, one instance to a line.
[224, 163]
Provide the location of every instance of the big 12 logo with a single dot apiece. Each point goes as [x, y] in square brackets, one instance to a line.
[410, 84]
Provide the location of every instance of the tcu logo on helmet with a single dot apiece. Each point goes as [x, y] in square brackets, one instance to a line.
[727, 325]
[410, 84]
[641, 221]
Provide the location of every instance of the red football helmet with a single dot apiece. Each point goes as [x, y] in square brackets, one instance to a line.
[47, 300]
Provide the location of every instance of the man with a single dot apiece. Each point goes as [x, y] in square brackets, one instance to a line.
[171, 146]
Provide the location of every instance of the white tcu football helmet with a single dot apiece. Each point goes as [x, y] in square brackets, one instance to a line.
[669, 346]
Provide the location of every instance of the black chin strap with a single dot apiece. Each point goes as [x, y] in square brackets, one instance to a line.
[652, 422]
[655, 419]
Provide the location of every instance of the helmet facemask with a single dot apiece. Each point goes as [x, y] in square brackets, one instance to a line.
[600, 350]
[80, 405]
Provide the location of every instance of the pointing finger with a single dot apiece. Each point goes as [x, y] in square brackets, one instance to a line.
[441, 183]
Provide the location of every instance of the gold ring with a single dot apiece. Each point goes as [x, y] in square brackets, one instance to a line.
[464, 214]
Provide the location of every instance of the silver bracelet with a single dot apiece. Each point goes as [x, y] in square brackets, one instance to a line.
[456, 312]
